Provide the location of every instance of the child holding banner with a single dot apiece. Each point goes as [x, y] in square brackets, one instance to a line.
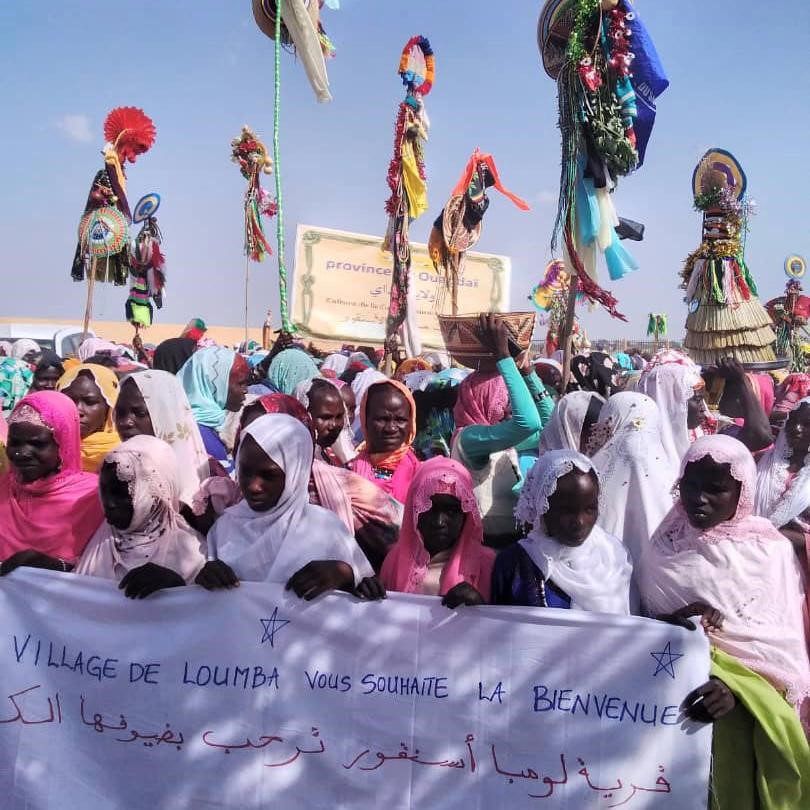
[440, 549]
[712, 556]
[144, 542]
[275, 534]
[566, 561]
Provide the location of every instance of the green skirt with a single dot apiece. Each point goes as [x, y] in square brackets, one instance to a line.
[761, 757]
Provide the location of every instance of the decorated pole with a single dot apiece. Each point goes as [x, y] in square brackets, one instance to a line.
[297, 25]
[147, 267]
[103, 249]
[600, 54]
[568, 330]
[286, 326]
[250, 154]
[408, 184]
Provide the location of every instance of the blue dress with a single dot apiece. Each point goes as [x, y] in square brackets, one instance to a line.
[516, 580]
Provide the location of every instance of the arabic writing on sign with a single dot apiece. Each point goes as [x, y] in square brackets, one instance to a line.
[281, 752]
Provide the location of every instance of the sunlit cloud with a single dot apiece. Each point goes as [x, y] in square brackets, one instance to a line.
[75, 127]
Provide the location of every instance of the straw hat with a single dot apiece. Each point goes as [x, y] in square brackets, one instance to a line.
[264, 12]
[553, 29]
[718, 168]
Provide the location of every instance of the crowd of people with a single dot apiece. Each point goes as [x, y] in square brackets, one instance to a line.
[648, 487]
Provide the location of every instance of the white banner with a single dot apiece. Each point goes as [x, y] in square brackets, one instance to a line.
[253, 698]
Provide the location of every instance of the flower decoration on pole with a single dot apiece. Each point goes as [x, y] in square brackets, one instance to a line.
[250, 154]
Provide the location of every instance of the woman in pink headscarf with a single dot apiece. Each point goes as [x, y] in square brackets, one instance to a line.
[440, 549]
[788, 394]
[47, 504]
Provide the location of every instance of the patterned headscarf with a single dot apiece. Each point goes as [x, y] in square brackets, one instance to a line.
[157, 532]
[205, 378]
[793, 388]
[15, 380]
[482, 400]
[173, 422]
[290, 367]
[596, 574]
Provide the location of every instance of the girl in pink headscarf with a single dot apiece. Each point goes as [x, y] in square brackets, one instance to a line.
[47, 504]
[712, 550]
[440, 549]
[711, 557]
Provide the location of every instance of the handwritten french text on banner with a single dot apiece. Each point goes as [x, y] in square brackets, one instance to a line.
[253, 698]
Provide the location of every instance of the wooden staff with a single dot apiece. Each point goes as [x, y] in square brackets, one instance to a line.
[568, 328]
[88, 309]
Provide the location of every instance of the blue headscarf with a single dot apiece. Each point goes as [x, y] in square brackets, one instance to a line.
[289, 368]
[205, 378]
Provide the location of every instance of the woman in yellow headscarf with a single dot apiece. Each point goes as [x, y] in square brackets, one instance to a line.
[94, 390]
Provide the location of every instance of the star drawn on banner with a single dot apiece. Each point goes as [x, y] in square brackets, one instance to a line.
[272, 626]
[665, 660]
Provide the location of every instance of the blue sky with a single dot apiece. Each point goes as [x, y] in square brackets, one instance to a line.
[739, 77]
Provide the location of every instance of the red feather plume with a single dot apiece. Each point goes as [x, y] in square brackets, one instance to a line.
[131, 131]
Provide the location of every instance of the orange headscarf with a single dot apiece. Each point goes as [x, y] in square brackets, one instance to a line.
[388, 460]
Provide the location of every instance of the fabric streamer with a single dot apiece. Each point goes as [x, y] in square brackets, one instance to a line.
[297, 23]
[458, 227]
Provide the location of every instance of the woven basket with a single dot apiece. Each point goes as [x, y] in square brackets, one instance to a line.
[462, 336]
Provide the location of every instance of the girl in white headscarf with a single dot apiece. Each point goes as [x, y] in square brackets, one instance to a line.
[571, 421]
[636, 473]
[567, 560]
[144, 542]
[275, 534]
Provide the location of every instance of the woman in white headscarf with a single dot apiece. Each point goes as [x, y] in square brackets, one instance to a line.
[567, 560]
[275, 534]
[335, 362]
[674, 382]
[571, 421]
[636, 473]
[25, 349]
[153, 403]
